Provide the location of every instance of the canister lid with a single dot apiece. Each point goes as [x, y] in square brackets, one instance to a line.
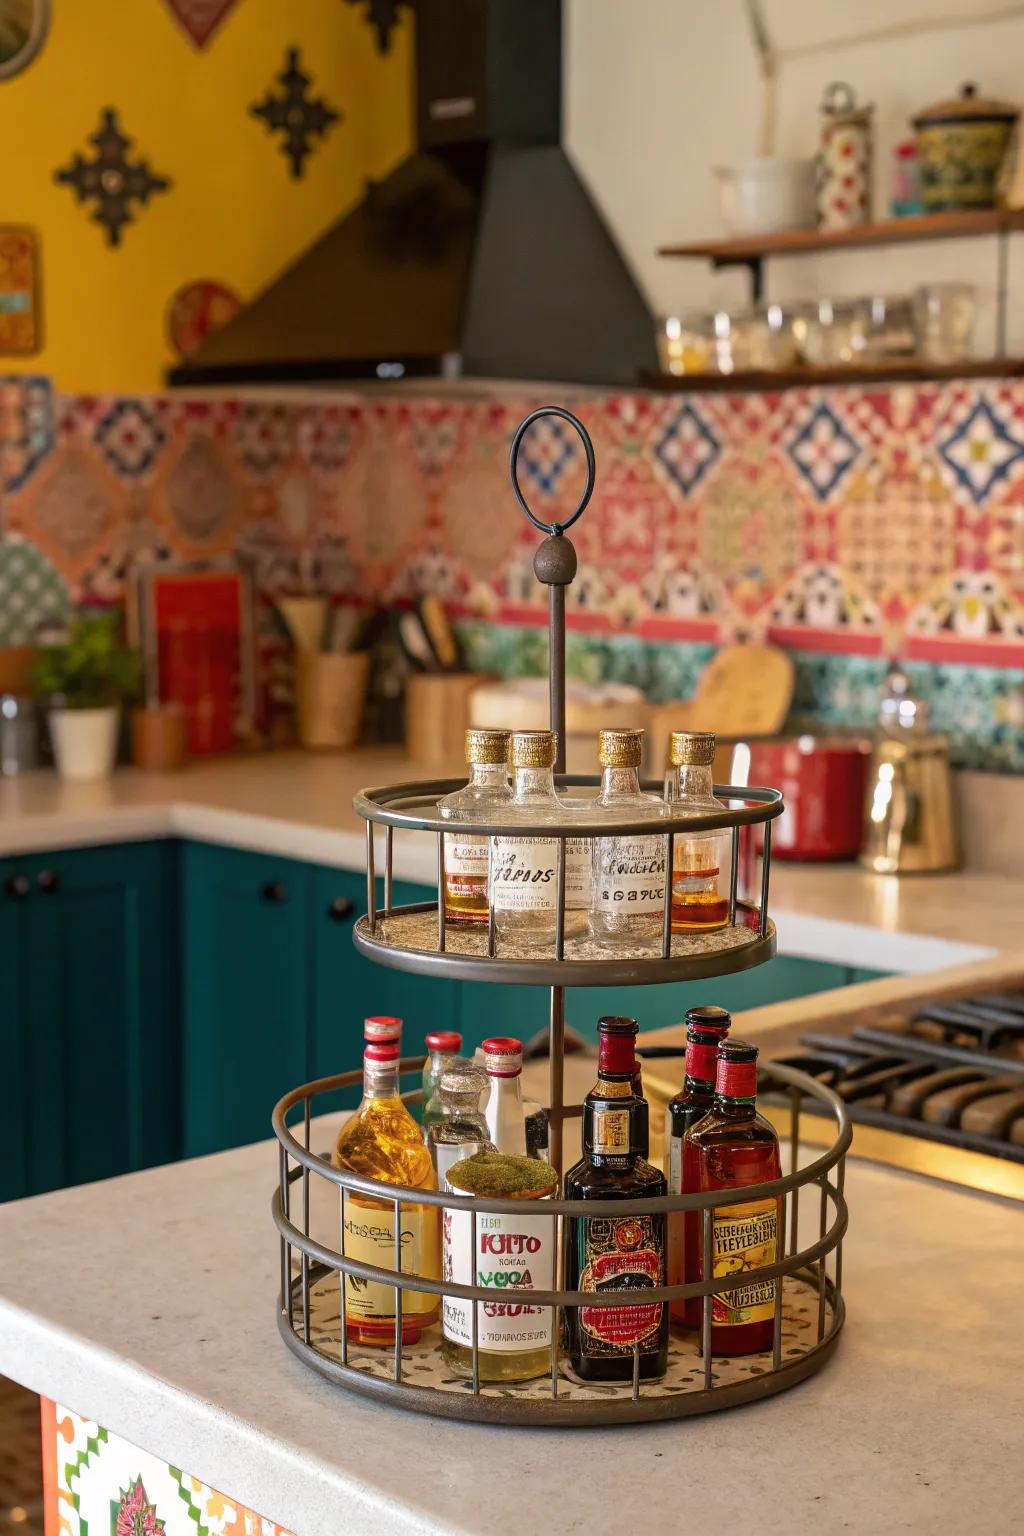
[968, 107]
[382, 1026]
[503, 1056]
[444, 1040]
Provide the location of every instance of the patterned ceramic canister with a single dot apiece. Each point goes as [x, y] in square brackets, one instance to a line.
[962, 144]
[844, 169]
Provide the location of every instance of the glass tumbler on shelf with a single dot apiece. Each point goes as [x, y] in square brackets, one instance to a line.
[701, 861]
[684, 344]
[833, 332]
[944, 321]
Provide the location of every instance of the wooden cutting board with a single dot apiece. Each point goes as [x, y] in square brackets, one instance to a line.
[745, 690]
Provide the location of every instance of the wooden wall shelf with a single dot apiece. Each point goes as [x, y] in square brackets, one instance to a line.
[743, 250]
[904, 370]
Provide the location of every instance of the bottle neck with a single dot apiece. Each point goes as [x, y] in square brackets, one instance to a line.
[735, 1109]
[488, 775]
[507, 1089]
[617, 782]
[604, 1143]
[380, 1082]
[694, 782]
[701, 1060]
[533, 783]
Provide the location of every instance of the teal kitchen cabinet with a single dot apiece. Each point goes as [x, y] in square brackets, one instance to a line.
[87, 1015]
[245, 978]
[347, 987]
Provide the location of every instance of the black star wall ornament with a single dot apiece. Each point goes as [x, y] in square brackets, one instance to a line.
[294, 114]
[382, 15]
[117, 185]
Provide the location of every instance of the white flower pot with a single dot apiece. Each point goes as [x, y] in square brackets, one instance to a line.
[85, 742]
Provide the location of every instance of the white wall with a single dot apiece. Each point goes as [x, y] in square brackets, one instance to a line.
[660, 91]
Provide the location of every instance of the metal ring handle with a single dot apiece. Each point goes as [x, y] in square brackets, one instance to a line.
[588, 449]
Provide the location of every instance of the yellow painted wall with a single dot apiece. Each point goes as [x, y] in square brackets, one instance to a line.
[234, 213]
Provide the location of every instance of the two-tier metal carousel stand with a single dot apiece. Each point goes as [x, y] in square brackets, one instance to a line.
[808, 1306]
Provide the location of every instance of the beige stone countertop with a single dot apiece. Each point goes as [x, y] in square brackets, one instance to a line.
[148, 1303]
[299, 805]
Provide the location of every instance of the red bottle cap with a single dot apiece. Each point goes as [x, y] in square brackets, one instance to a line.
[737, 1070]
[616, 1053]
[445, 1040]
[503, 1056]
[382, 1050]
[382, 1026]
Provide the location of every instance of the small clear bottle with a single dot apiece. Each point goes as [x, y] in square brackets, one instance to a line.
[524, 870]
[485, 795]
[443, 1046]
[701, 860]
[629, 871]
[504, 1111]
[457, 1128]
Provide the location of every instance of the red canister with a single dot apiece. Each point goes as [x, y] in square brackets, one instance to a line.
[822, 780]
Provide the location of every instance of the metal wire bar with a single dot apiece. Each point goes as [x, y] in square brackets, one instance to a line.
[371, 881]
[398, 1291]
[841, 1187]
[822, 1228]
[286, 1208]
[490, 903]
[342, 1286]
[636, 1371]
[777, 1319]
[734, 873]
[476, 1329]
[556, 670]
[705, 1320]
[286, 1279]
[389, 837]
[440, 892]
[304, 1261]
[556, 1223]
[556, 1060]
[560, 862]
[766, 864]
[666, 916]
[795, 1105]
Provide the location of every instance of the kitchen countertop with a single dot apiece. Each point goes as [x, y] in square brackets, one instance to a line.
[298, 805]
[157, 1320]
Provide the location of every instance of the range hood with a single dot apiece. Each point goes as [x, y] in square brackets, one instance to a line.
[481, 255]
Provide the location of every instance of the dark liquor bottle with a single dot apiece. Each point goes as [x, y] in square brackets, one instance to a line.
[705, 1028]
[730, 1147]
[605, 1253]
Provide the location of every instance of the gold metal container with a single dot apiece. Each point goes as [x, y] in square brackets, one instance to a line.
[961, 145]
[909, 824]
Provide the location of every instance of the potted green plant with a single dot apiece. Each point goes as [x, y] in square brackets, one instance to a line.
[84, 679]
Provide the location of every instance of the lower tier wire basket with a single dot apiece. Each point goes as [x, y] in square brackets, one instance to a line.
[805, 1281]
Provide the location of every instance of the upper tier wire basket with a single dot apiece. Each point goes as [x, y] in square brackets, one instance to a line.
[808, 1310]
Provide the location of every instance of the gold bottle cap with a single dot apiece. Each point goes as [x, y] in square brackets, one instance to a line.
[487, 746]
[533, 749]
[620, 748]
[691, 749]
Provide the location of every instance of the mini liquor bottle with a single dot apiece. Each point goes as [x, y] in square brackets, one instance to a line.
[485, 796]
[629, 870]
[730, 1147]
[705, 1029]
[456, 1128]
[382, 1141]
[514, 1254]
[524, 870]
[700, 858]
[607, 1253]
[443, 1046]
[504, 1112]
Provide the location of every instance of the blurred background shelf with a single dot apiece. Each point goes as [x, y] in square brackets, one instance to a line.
[909, 369]
[746, 250]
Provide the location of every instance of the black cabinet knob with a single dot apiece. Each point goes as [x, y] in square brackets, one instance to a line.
[48, 880]
[340, 908]
[274, 890]
[18, 886]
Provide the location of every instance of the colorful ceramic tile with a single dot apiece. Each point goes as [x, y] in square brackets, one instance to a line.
[982, 450]
[118, 185]
[687, 448]
[130, 438]
[20, 320]
[301, 120]
[26, 428]
[32, 592]
[199, 18]
[199, 490]
[823, 449]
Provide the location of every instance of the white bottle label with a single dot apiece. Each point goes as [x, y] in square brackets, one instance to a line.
[632, 875]
[465, 854]
[369, 1236]
[513, 1255]
[578, 873]
[524, 874]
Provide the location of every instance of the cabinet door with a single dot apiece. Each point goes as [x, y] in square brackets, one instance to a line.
[15, 1028]
[347, 987]
[92, 984]
[245, 991]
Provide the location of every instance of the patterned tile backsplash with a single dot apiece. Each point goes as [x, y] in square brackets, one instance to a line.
[846, 524]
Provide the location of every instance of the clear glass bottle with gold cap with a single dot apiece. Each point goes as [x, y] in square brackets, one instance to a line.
[487, 793]
[629, 871]
[524, 869]
[701, 860]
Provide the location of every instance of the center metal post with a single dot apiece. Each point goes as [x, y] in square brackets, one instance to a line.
[554, 564]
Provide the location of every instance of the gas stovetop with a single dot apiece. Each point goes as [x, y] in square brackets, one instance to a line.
[937, 1087]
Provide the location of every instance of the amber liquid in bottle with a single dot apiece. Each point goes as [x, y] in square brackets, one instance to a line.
[705, 1027]
[698, 902]
[466, 878]
[730, 1147]
[607, 1254]
[382, 1141]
